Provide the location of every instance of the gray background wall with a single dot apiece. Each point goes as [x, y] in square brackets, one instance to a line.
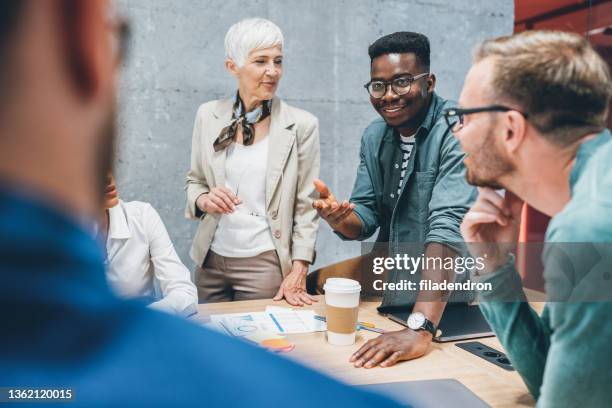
[176, 63]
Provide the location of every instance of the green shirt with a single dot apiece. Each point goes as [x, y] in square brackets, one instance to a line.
[565, 355]
[433, 199]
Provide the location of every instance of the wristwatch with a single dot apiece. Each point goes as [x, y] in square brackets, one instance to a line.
[417, 322]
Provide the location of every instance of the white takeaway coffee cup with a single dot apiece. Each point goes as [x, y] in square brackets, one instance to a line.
[341, 310]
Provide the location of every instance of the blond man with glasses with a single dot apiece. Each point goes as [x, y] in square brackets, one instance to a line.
[533, 121]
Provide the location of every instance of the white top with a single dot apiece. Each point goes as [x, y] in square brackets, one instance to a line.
[142, 262]
[407, 145]
[245, 232]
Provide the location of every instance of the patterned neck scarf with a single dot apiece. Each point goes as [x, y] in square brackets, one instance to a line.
[244, 119]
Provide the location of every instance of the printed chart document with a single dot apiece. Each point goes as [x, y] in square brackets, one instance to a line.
[275, 320]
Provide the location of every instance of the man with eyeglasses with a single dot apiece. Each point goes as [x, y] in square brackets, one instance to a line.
[532, 121]
[410, 185]
[65, 337]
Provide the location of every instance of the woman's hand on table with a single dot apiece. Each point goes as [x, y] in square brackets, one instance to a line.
[392, 347]
[293, 288]
[219, 200]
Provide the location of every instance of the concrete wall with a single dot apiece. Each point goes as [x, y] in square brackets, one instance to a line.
[176, 63]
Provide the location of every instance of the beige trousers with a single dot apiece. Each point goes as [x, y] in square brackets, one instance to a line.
[224, 279]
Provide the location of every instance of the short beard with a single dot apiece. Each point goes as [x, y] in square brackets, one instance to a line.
[105, 157]
[488, 166]
[482, 182]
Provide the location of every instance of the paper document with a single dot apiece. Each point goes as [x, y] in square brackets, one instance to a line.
[275, 320]
[290, 321]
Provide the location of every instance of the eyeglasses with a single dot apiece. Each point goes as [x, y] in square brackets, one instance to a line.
[120, 38]
[401, 85]
[241, 207]
[124, 40]
[454, 116]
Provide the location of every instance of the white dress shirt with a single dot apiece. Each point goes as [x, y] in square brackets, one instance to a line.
[142, 262]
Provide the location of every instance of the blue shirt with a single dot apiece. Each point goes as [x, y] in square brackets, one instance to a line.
[564, 355]
[432, 201]
[62, 327]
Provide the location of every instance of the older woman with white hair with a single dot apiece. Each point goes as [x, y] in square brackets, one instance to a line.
[253, 161]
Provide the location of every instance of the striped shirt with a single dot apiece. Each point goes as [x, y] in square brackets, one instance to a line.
[407, 145]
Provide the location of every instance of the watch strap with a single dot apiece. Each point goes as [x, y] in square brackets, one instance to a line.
[430, 327]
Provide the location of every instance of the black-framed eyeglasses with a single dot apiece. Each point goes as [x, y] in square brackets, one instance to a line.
[400, 85]
[454, 116]
[120, 38]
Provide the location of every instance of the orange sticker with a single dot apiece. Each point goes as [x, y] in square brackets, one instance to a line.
[284, 350]
[276, 343]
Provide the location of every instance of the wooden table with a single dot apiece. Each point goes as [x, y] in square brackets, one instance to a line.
[496, 386]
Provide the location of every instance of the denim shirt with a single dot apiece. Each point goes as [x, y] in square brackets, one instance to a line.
[564, 354]
[434, 196]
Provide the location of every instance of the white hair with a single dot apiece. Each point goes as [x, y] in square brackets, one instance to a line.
[249, 35]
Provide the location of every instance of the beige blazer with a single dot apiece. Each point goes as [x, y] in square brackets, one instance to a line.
[293, 163]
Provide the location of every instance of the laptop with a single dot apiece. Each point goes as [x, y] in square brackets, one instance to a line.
[460, 321]
[428, 393]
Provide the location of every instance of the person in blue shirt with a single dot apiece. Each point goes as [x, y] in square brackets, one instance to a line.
[532, 120]
[62, 327]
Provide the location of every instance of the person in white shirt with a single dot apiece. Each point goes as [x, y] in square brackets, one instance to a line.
[140, 259]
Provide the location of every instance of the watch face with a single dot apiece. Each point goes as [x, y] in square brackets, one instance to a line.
[416, 320]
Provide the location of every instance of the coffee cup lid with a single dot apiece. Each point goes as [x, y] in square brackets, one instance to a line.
[341, 285]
